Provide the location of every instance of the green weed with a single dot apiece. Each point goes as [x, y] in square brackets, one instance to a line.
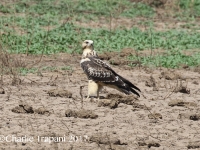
[66, 38]
[25, 71]
[191, 7]
[66, 68]
[171, 60]
[46, 27]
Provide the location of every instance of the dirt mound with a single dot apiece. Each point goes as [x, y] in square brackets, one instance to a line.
[108, 141]
[2, 91]
[81, 114]
[155, 116]
[108, 55]
[197, 69]
[149, 144]
[101, 138]
[42, 111]
[190, 116]
[126, 52]
[59, 93]
[178, 102]
[126, 99]
[119, 58]
[113, 100]
[23, 108]
[111, 103]
[170, 75]
[113, 96]
[194, 145]
[182, 89]
[118, 61]
[151, 82]
[195, 82]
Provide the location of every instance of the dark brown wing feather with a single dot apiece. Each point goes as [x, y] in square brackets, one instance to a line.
[97, 72]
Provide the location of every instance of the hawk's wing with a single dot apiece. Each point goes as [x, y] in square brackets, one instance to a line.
[98, 70]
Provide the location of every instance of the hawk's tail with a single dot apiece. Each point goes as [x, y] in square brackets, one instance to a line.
[130, 88]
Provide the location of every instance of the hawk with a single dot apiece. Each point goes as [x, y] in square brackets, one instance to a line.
[101, 74]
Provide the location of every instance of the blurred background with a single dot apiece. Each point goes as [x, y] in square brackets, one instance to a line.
[167, 31]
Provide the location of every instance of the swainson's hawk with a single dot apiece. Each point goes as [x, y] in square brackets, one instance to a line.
[101, 74]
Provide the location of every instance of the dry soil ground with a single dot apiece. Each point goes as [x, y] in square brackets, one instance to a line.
[45, 110]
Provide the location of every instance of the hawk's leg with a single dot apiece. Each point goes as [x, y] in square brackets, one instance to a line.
[93, 89]
[100, 87]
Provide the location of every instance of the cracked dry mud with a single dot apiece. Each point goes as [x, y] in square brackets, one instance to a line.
[50, 105]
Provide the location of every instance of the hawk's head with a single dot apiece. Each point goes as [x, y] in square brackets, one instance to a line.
[87, 44]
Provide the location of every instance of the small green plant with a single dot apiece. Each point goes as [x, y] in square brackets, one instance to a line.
[25, 71]
[171, 60]
[48, 68]
[190, 7]
[66, 68]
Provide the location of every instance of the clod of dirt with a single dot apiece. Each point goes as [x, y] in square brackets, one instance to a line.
[108, 55]
[193, 145]
[155, 116]
[23, 108]
[70, 113]
[137, 107]
[112, 101]
[2, 91]
[86, 114]
[16, 81]
[195, 117]
[183, 66]
[197, 69]
[27, 108]
[81, 113]
[101, 138]
[129, 100]
[104, 57]
[118, 61]
[169, 75]
[41, 111]
[18, 109]
[190, 116]
[116, 147]
[108, 102]
[195, 82]
[178, 102]
[59, 93]
[182, 89]
[111, 96]
[153, 144]
[149, 144]
[126, 52]
[142, 144]
[150, 82]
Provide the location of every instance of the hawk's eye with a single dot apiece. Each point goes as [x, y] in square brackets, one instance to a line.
[86, 42]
